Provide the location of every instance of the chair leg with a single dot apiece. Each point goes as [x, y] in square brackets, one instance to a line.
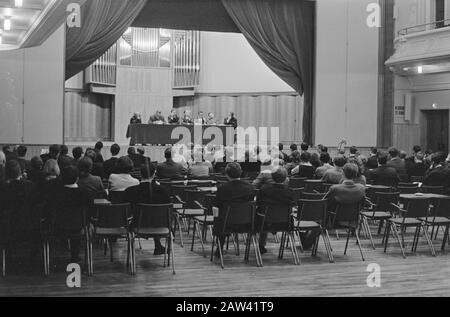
[201, 235]
[346, 244]
[326, 239]
[166, 245]
[294, 252]
[416, 240]
[220, 253]
[173, 253]
[387, 233]
[444, 242]
[300, 242]
[258, 255]
[359, 245]
[181, 232]
[366, 223]
[430, 242]
[133, 256]
[3, 262]
[193, 236]
[397, 236]
[247, 249]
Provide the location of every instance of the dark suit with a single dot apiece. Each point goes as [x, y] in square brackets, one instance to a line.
[139, 160]
[173, 119]
[385, 176]
[234, 191]
[2, 174]
[109, 167]
[416, 169]
[346, 193]
[171, 170]
[398, 164]
[232, 122]
[94, 185]
[372, 163]
[439, 176]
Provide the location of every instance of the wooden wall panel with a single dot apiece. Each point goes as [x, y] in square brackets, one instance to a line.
[406, 136]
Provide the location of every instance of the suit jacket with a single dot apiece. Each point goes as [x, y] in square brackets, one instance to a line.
[232, 122]
[156, 118]
[398, 164]
[333, 176]
[304, 171]
[147, 193]
[416, 169]
[439, 176]
[170, 169]
[2, 174]
[372, 163]
[109, 167]
[385, 176]
[139, 160]
[276, 194]
[346, 193]
[173, 119]
[135, 120]
[94, 185]
[234, 191]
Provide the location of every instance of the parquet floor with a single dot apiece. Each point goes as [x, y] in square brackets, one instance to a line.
[418, 275]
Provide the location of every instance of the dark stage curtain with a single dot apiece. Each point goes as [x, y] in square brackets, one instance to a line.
[102, 24]
[282, 34]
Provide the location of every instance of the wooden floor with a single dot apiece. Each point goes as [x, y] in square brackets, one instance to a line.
[418, 275]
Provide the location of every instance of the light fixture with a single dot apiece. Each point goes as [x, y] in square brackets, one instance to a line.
[7, 24]
[435, 106]
[420, 69]
[18, 3]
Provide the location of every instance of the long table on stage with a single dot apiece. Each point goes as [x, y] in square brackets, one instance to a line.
[165, 134]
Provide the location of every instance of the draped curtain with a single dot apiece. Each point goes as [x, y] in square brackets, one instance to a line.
[282, 34]
[102, 24]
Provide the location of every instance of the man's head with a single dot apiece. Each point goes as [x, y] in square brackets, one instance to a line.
[439, 158]
[131, 151]
[91, 154]
[12, 170]
[85, 166]
[383, 158]
[115, 149]
[417, 149]
[353, 150]
[77, 152]
[374, 151]
[64, 150]
[69, 175]
[7, 149]
[325, 158]
[54, 151]
[141, 150]
[403, 155]
[211, 115]
[279, 175]
[22, 151]
[173, 112]
[280, 147]
[148, 171]
[233, 171]
[294, 147]
[393, 152]
[304, 147]
[99, 146]
[51, 168]
[340, 161]
[158, 113]
[187, 113]
[305, 157]
[36, 163]
[351, 171]
[168, 154]
[419, 156]
[125, 165]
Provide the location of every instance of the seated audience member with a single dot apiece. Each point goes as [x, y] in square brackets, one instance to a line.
[109, 167]
[294, 161]
[293, 148]
[136, 119]
[417, 167]
[403, 155]
[157, 118]
[187, 118]
[173, 118]
[265, 177]
[21, 158]
[396, 162]
[283, 156]
[315, 160]
[304, 147]
[97, 168]
[305, 169]
[169, 169]
[10, 153]
[348, 192]
[53, 153]
[275, 193]
[384, 175]
[145, 159]
[122, 180]
[325, 159]
[335, 175]
[359, 179]
[199, 168]
[98, 151]
[2, 167]
[51, 170]
[35, 173]
[211, 120]
[77, 153]
[372, 161]
[71, 196]
[64, 159]
[416, 149]
[234, 191]
[93, 184]
[439, 174]
[148, 192]
[138, 158]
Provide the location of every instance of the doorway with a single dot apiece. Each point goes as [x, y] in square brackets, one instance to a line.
[437, 130]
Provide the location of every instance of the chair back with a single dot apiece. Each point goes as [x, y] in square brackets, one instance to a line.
[116, 197]
[201, 183]
[153, 216]
[347, 213]
[371, 191]
[411, 185]
[314, 186]
[417, 207]
[417, 179]
[69, 219]
[113, 216]
[441, 208]
[297, 182]
[180, 190]
[408, 189]
[194, 196]
[297, 193]
[136, 173]
[404, 178]
[236, 218]
[312, 196]
[312, 210]
[384, 201]
[438, 190]
[274, 218]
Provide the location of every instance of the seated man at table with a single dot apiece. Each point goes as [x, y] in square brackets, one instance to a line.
[234, 191]
[173, 118]
[169, 169]
[439, 174]
[136, 119]
[277, 193]
[187, 118]
[148, 192]
[348, 192]
[211, 120]
[157, 118]
[384, 175]
[200, 120]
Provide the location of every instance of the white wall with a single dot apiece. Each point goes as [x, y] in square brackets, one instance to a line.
[346, 74]
[230, 65]
[32, 91]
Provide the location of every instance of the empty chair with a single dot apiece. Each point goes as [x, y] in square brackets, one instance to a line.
[298, 192]
[311, 215]
[415, 208]
[112, 222]
[439, 216]
[275, 219]
[204, 222]
[153, 221]
[372, 190]
[192, 206]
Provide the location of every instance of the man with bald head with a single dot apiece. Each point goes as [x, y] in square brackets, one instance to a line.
[277, 193]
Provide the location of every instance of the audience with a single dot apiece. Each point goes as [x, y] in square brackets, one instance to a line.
[396, 162]
[265, 177]
[97, 168]
[35, 173]
[372, 161]
[417, 167]
[325, 159]
[77, 153]
[53, 153]
[51, 170]
[438, 174]
[148, 192]
[93, 184]
[305, 169]
[64, 160]
[384, 175]
[199, 168]
[122, 180]
[335, 175]
[169, 169]
[110, 166]
[21, 158]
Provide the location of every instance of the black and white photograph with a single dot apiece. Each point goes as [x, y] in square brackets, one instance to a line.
[224, 154]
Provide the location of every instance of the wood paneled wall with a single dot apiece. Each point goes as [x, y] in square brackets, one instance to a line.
[284, 111]
[88, 117]
[406, 136]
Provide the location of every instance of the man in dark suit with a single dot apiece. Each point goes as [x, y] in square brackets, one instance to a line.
[173, 118]
[53, 153]
[64, 159]
[234, 191]
[231, 120]
[417, 167]
[93, 184]
[109, 167]
[384, 175]
[372, 161]
[170, 169]
[275, 194]
[157, 118]
[21, 158]
[10, 153]
[396, 162]
[348, 192]
[148, 192]
[136, 119]
[439, 174]
[136, 158]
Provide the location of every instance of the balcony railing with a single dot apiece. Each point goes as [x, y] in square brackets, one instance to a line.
[424, 27]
